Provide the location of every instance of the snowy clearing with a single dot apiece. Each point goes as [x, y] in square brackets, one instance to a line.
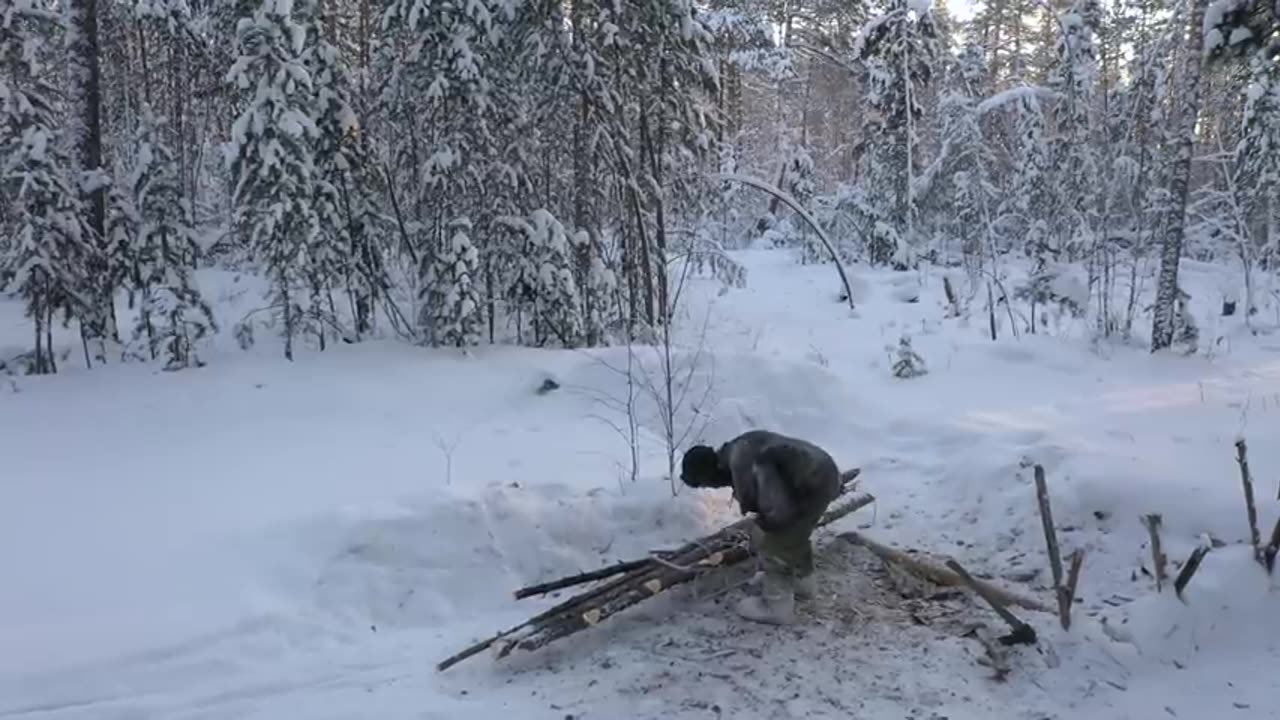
[260, 539]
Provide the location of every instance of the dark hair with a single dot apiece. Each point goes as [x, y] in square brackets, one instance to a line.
[700, 467]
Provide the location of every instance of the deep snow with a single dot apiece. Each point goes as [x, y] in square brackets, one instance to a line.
[259, 539]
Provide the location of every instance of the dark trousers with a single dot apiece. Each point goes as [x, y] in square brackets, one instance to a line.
[788, 551]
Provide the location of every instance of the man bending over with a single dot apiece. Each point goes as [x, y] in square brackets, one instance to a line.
[788, 483]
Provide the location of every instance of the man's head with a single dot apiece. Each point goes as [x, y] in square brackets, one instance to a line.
[701, 468]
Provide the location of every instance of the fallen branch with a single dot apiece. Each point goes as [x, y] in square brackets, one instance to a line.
[581, 578]
[1023, 634]
[1242, 458]
[938, 575]
[654, 575]
[1189, 569]
[1158, 559]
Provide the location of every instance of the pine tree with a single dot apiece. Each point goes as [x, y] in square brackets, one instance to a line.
[968, 194]
[1074, 217]
[271, 156]
[173, 316]
[900, 51]
[1163, 324]
[1258, 153]
[453, 281]
[46, 258]
[543, 282]
[346, 248]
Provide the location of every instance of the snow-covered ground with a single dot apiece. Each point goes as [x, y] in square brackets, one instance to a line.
[259, 539]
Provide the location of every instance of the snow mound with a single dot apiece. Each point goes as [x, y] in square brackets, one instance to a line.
[435, 563]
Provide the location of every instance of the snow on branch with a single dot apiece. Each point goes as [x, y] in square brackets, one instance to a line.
[1011, 95]
[795, 205]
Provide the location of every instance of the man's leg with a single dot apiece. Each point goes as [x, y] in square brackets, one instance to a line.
[776, 603]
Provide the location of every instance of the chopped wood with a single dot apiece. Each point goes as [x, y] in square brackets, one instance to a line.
[1152, 522]
[1242, 458]
[1273, 549]
[938, 575]
[1189, 569]
[1067, 596]
[1023, 634]
[997, 657]
[652, 576]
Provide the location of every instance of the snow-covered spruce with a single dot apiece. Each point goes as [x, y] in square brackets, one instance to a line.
[272, 160]
[454, 299]
[172, 315]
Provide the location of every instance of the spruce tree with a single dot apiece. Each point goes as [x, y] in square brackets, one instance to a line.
[272, 160]
[173, 316]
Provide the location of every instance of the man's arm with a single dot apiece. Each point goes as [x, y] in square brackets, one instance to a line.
[774, 507]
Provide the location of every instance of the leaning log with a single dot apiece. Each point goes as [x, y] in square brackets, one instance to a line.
[938, 575]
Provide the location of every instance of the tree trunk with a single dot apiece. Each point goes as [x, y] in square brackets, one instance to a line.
[100, 321]
[1162, 325]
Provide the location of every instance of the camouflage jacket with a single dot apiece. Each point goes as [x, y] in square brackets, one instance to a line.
[781, 479]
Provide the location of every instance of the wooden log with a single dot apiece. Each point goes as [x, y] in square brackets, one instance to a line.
[1022, 632]
[1246, 479]
[1189, 569]
[938, 575]
[1159, 560]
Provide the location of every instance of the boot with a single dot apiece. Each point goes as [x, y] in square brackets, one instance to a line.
[775, 605]
[806, 587]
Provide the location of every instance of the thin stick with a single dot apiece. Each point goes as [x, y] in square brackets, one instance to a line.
[1158, 558]
[1051, 542]
[1242, 457]
[1273, 548]
[1022, 632]
[580, 578]
[935, 574]
[1067, 595]
[1189, 569]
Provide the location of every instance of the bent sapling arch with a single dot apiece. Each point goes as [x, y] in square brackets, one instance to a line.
[795, 205]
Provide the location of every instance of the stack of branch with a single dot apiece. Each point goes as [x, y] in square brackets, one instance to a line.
[637, 580]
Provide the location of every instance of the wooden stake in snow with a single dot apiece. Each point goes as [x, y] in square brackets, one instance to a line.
[1064, 592]
[1242, 458]
[1158, 558]
[1023, 634]
[1273, 549]
[938, 575]
[1189, 569]
[1067, 595]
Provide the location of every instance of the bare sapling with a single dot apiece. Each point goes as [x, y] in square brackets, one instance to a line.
[1246, 479]
[1159, 560]
[682, 401]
